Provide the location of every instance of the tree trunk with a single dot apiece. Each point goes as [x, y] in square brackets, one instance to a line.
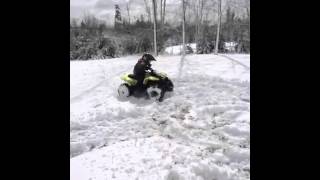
[197, 22]
[161, 11]
[201, 16]
[183, 28]
[155, 27]
[201, 9]
[218, 28]
[164, 12]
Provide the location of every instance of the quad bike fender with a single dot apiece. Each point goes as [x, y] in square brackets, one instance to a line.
[150, 78]
[162, 75]
[129, 80]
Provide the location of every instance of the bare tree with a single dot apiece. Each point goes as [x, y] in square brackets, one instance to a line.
[128, 10]
[148, 10]
[218, 28]
[183, 39]
[195, 8]
[183, 28]
[247, 6]
[163, 12]
[198, 9]
[155, 27]
[74, 23]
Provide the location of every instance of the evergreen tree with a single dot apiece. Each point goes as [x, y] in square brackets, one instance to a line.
[117, 18]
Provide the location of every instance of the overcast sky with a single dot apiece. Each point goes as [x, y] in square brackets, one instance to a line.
[105, 10]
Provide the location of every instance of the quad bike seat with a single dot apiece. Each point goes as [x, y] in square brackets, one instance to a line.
[131, 76]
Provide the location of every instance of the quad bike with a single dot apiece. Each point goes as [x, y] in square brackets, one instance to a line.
[155, 85]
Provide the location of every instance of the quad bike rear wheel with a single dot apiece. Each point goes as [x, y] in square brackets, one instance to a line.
[124, 90]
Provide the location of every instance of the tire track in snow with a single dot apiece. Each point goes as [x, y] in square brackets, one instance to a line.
[85, 130]
[236, 61]
[179, 118]
[201, 116]
[88, 91]
[134, 129]
[78, 97]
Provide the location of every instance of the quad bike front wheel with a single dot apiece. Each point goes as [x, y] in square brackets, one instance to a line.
[124, 90]
[169, 85]
[154, 92]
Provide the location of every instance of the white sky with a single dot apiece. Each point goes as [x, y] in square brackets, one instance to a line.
[104, 9]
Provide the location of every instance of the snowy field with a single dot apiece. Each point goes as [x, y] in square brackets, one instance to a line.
[199, 132]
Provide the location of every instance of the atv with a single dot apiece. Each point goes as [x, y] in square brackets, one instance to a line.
[154, 86]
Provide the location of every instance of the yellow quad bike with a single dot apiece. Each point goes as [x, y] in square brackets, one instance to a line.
[155, 85]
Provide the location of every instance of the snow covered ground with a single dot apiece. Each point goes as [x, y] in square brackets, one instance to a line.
[176, 50]
[200, 131]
